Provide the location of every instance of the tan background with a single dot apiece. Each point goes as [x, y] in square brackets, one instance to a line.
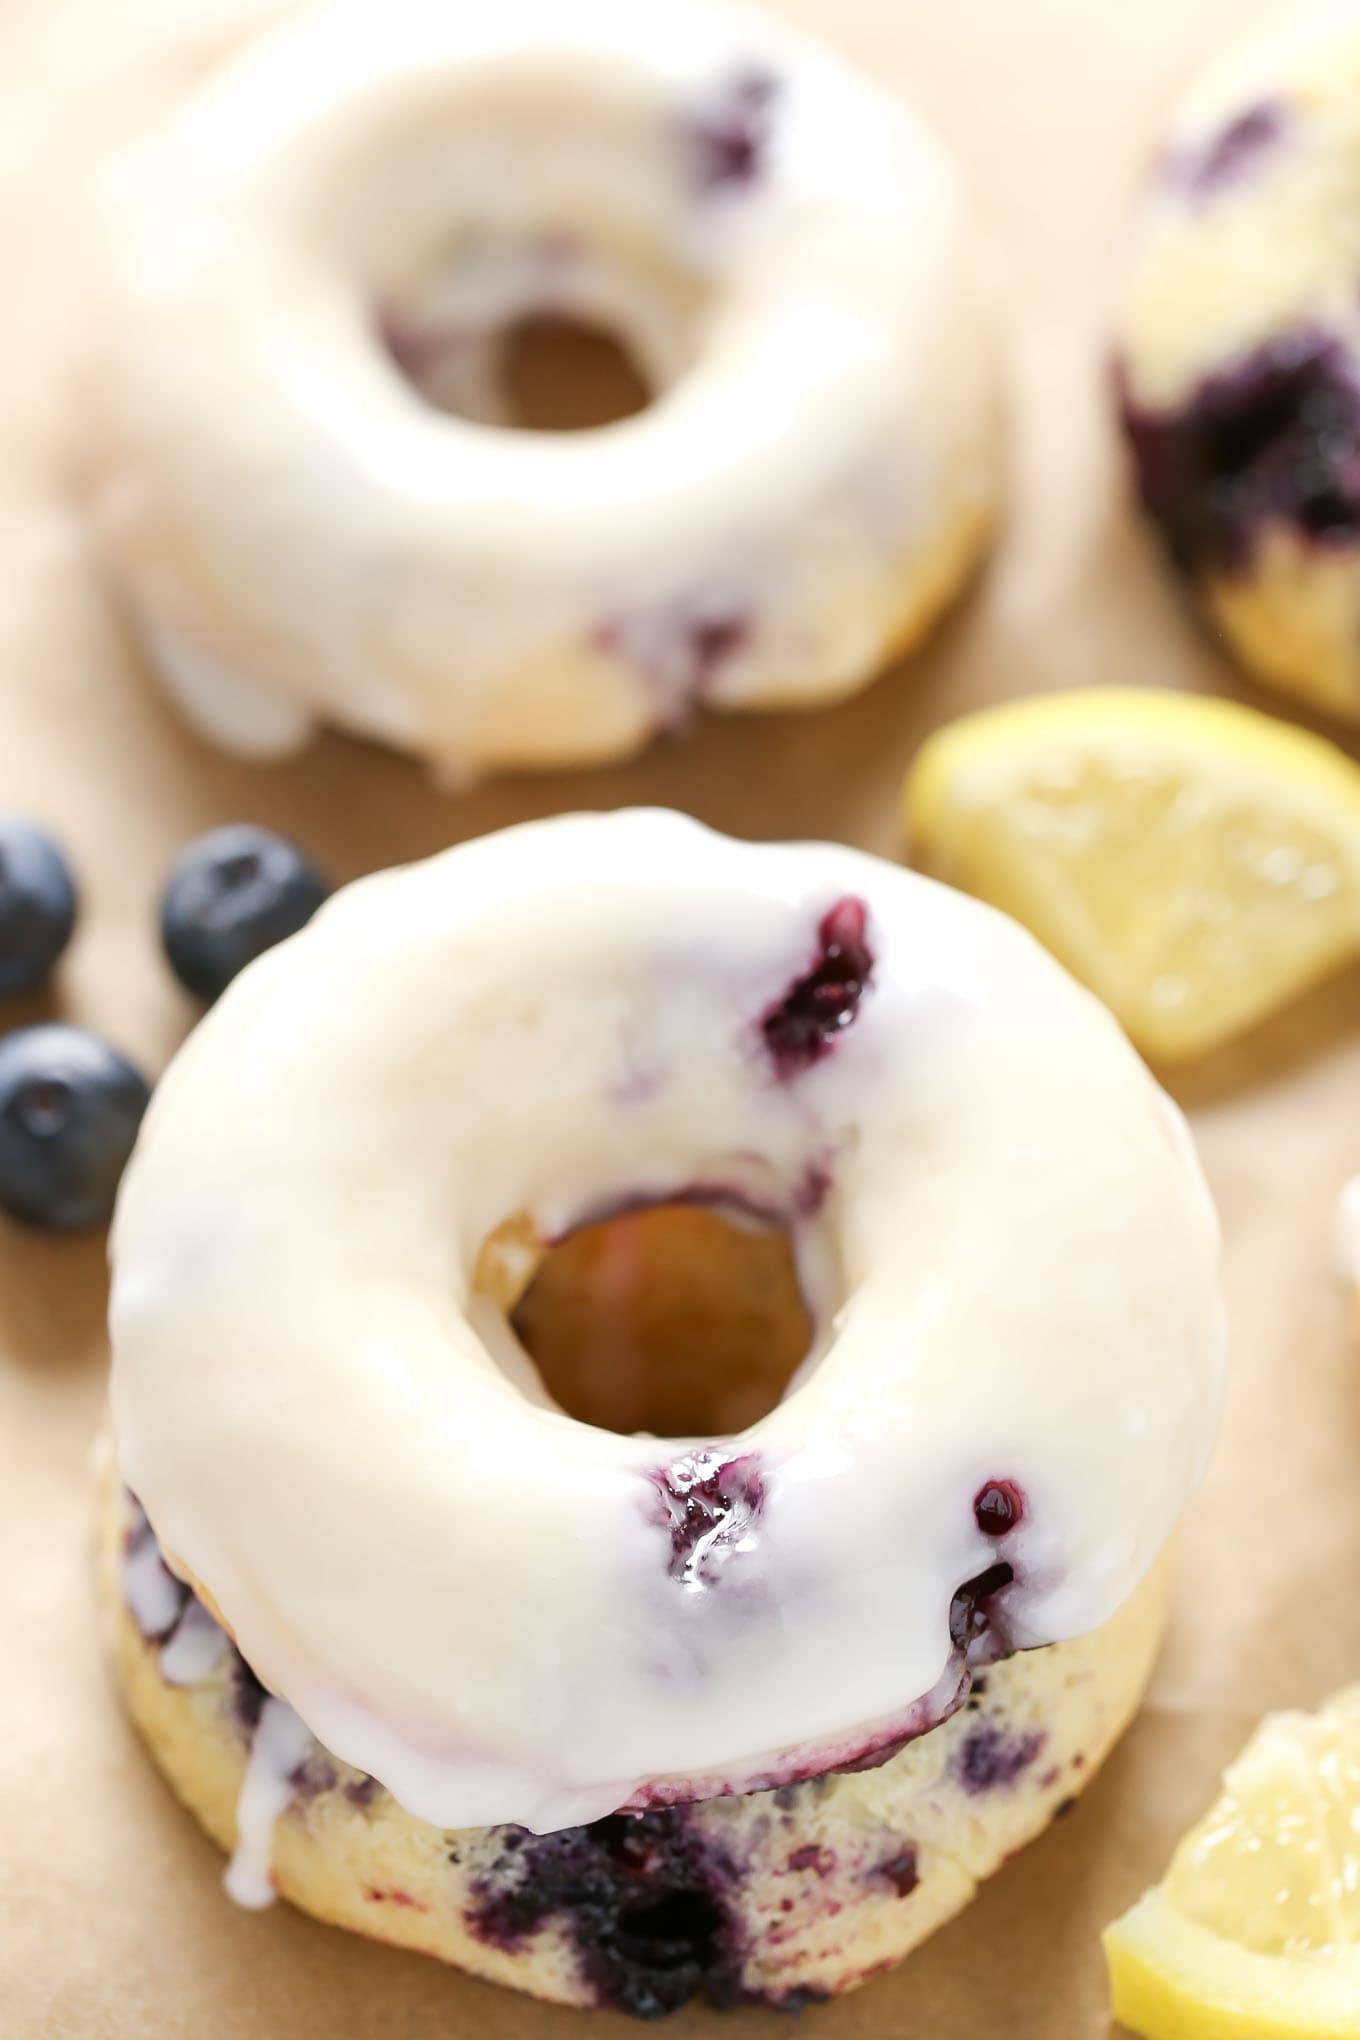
[111, 1919]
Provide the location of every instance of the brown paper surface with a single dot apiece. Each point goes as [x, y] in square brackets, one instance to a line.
[112, 1921]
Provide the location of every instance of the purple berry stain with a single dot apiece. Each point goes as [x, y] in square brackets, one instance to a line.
[248, 1695]
[900, 1870]
[679, 652]
[315, 1775]
[710, 642]
[991, 1758]
[711, 1506]
[998, 1508]
[729, 143]
[1274, 438]
[813, 1188]
[801, 1025]
[809, 1857]
[644, 1897]
[414, 350]
[1226, 158]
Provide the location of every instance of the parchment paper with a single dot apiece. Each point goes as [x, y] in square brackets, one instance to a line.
[112, 1922]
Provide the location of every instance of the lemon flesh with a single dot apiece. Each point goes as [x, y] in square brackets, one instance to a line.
[1195, 863]
[1254, 1934]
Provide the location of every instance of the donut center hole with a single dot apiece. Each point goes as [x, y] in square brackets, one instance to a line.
[564, 375]
[671, 1320]
[539, 372]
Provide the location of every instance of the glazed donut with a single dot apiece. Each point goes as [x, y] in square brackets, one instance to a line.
[369, 199]
[1238, 361]
[348, 1177]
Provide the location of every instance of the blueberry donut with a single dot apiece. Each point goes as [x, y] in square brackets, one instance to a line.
[352, 217]
[1238, 363]
[516, 1667]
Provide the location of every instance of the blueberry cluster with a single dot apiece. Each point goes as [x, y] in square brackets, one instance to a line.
[1270, 439]
[644, 1898]
[70, 1103]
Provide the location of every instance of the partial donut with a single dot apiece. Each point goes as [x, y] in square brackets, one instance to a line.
[354, 214]
[1238, 351]
[781, 1897]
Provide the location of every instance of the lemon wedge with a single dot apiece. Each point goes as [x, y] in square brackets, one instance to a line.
[1195, 863]
[1255, 1932]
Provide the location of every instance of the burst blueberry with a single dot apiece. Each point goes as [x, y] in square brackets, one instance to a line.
[994, 1757]
[233, 894]
[730, 142]
[973, 1615]
[1271, 438]
[645, 1899]
[901, 1870]
[800, 1027]
[710, 1506]
[70, 1107]
[998, 1508]
[37, 905]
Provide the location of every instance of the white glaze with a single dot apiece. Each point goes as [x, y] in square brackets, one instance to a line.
[152, 1593]
[196, 1648]
[286, 512]
[226, 708]
[462, 1591]
[280, 1744]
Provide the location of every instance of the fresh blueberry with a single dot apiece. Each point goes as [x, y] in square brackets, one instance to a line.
[37, 905]
[70, 1107]
[233, 894]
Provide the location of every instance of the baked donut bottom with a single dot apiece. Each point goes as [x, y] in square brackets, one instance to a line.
[782, 1897]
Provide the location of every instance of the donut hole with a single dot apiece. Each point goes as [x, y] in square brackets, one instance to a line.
[673, 1320]
[542, 372]
[566, 375]
[553, 332]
